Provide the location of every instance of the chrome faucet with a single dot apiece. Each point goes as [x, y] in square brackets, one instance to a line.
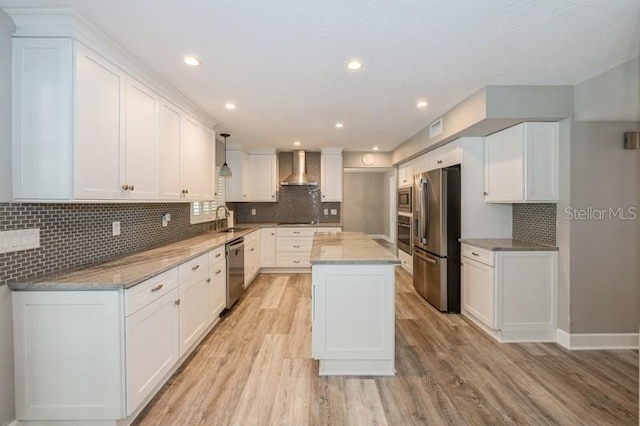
[226, 215]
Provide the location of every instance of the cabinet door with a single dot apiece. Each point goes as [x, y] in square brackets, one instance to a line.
[207, 160]
[331, 177]
[237, 184]
[542, 152]
[99, 121]
[263, 178]
[152, 347]
[479, 293]
[191, 158]
[268, 248]
[141, 141]
[504, 157]
[217, 290]
[169, 152]
[193, 311]
[41, 118]
[405, 175]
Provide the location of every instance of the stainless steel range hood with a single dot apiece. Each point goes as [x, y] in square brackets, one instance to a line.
[299, 175]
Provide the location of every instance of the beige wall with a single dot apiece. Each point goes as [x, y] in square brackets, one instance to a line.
[605, 254]
[363, 202]
[354, 159]
[7, 410]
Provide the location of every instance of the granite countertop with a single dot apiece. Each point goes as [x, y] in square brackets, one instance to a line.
[287, 225]
[129, 270]
[331, 248]
[506, 244]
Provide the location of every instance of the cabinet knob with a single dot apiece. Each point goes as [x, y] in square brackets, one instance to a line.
[218, 271]
[324, 196]
[177, 302]
[486, 193]
[131, 187]
[208, 280]
[125, 187]
[186, 191]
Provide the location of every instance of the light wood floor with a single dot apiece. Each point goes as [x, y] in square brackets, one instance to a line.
[255, 368]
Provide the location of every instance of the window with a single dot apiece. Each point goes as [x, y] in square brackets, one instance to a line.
[205, 211]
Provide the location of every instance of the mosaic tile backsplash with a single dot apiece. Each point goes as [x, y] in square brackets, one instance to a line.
[535, 223]
[73, 235]
[296, 204]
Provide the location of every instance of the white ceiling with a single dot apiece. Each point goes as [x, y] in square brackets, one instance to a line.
[283, 61]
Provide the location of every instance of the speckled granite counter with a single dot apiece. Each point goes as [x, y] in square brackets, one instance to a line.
[348, 248]
[506, 244]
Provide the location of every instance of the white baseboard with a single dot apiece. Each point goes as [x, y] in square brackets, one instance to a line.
[12, 423]
[598, 341]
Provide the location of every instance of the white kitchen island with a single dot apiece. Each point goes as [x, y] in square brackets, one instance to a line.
[353, 305]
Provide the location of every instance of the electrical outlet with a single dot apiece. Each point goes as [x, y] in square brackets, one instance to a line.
[253, 212]
[334, 212]
[115, 228]
[165, 219]
[326, 212]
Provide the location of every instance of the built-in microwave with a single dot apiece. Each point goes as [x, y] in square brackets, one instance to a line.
[405, 200]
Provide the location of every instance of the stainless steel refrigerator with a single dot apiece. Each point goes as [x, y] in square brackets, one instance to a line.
[436, 246]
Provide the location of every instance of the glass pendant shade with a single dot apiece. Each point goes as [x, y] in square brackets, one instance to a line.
[225, 170]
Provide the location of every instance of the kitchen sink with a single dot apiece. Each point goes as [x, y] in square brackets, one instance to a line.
[234, 229]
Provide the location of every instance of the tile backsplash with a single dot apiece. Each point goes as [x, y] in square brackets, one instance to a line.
[535, 223]
[73, 235]
[295, 203]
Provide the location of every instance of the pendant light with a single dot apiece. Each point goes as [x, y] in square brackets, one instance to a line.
[225, 170]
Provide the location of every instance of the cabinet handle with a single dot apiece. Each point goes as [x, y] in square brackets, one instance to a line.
[474, 253]
[131, 187]
[219, 254]
[193, 268]
[177, 302]
[125, 187]
[153, 290]
[208, 280]
[272, 234]
[296, 261]
[296, 246]
[218, 271]
[273, 196]
[486, 193]
[252, 249]
[296, 232]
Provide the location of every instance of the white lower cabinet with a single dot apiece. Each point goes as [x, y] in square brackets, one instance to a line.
[268, 248]
[511, 294]
[251, 257]
[193, 301]
[96, 357]
[152, 347]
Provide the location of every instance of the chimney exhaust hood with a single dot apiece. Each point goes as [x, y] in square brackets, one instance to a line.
[299, 175]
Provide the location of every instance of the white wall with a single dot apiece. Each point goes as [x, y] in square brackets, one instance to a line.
[7, 405]
[363, 208]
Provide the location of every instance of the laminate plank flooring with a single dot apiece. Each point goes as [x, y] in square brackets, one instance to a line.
[255, 368]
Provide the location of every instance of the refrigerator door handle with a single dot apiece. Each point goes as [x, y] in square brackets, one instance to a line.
[425, 258]
[424, 211]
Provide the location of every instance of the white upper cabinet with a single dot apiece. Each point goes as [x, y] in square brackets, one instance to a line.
[331, 177]
[169, 157]
[521, 164]
[263, 177]
[99, 132]
[405, 174]
[83, 129]
[238, 182]
[141, 141]
[446, 156]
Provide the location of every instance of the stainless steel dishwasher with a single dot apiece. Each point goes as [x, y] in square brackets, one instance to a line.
[235, 270]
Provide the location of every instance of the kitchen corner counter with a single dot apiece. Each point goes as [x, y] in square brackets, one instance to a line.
[506, 244]
[330, 248]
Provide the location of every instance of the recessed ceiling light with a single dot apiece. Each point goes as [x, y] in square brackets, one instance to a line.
[230, 105]
[421, 104]
[296, 143]
[339, 125]
[354, 64]
[375, 148]
[191, 60]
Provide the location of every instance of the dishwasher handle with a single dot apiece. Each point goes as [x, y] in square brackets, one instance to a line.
[235, 244]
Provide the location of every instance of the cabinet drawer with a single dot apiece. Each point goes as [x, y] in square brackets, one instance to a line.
[295, 232]
[139, 296]
[216, 255]
[479, 291]
[329, 229]
[194, 268]
[300, 244]
[294, 260]
[480, 255]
